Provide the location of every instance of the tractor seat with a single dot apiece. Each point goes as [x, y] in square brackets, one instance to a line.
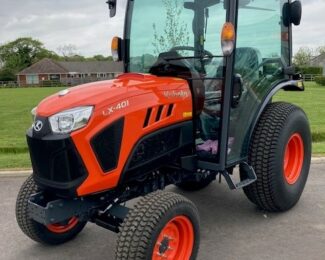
[247, 62]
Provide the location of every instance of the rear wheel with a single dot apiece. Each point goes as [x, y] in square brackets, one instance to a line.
[163, 225]
[280, 153]
[53, 234]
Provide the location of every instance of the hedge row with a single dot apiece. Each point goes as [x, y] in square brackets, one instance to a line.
[310, 70]
[320, 80]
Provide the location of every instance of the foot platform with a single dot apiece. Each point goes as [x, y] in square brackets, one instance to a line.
[250, 173]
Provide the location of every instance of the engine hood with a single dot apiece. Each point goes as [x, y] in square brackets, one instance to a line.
[94, 94]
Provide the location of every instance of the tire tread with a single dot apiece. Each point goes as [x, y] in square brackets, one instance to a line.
[262, 154]
[136, 231]
[36, 231]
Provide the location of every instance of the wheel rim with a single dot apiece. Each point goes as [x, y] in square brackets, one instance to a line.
[175, 241]
[293, 159]
[60, 228]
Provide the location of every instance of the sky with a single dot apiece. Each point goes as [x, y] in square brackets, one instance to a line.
[86, 23]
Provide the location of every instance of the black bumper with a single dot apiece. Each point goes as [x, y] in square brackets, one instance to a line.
[57, 165]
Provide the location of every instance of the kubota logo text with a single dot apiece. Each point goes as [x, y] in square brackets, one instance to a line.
[176, 94]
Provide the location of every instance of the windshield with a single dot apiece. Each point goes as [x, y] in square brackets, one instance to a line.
[189, 29]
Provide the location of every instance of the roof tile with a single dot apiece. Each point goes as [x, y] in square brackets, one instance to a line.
[44, 66]
[48, 66]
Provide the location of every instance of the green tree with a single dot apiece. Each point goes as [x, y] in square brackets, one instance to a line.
[100, 57]
[74, 58]
[303, 56]
[22, 53]
[175, 32]
[320, 50]
[7, 75]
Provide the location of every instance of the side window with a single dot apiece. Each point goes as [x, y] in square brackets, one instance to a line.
[262, 52]
[263, 40]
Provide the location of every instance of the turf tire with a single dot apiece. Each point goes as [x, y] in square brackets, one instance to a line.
[35, 230]
[271, 191]
[143, 224]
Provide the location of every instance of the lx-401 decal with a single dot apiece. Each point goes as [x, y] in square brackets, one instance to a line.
[122, 105]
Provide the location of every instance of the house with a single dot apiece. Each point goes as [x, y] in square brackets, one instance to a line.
[68, 73]
[318, 61]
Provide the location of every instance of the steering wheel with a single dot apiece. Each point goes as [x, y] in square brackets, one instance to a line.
[207, 58]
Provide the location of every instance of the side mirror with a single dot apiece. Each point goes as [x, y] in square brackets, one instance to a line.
[112, 7]
[292, 13]
[296, 12]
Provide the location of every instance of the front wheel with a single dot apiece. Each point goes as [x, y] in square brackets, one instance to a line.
[163, 225]
[53, 234]
[280, 153]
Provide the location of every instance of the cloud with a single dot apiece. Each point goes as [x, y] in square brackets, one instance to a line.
[311, 32]
[86, 23]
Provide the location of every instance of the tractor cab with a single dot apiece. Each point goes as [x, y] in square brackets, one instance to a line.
[232, 54]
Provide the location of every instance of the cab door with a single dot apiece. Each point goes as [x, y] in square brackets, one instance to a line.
[262, 51]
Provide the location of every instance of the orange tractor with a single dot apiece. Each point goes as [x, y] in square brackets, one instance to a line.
[194, 103]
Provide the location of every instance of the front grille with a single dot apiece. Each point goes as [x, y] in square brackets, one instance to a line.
[155, 114]
[56, 162]
[107, 144]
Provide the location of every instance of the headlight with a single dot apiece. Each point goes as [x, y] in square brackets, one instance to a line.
[70, 120]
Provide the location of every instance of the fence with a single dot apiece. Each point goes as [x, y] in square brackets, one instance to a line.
[310, 77]
[69, 82]
[65, 82]
[78, 81]
[8, 84]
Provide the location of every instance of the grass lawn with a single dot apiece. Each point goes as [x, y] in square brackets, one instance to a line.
[312, 101]
[14, 161]
[15, 118]
[319, 148]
